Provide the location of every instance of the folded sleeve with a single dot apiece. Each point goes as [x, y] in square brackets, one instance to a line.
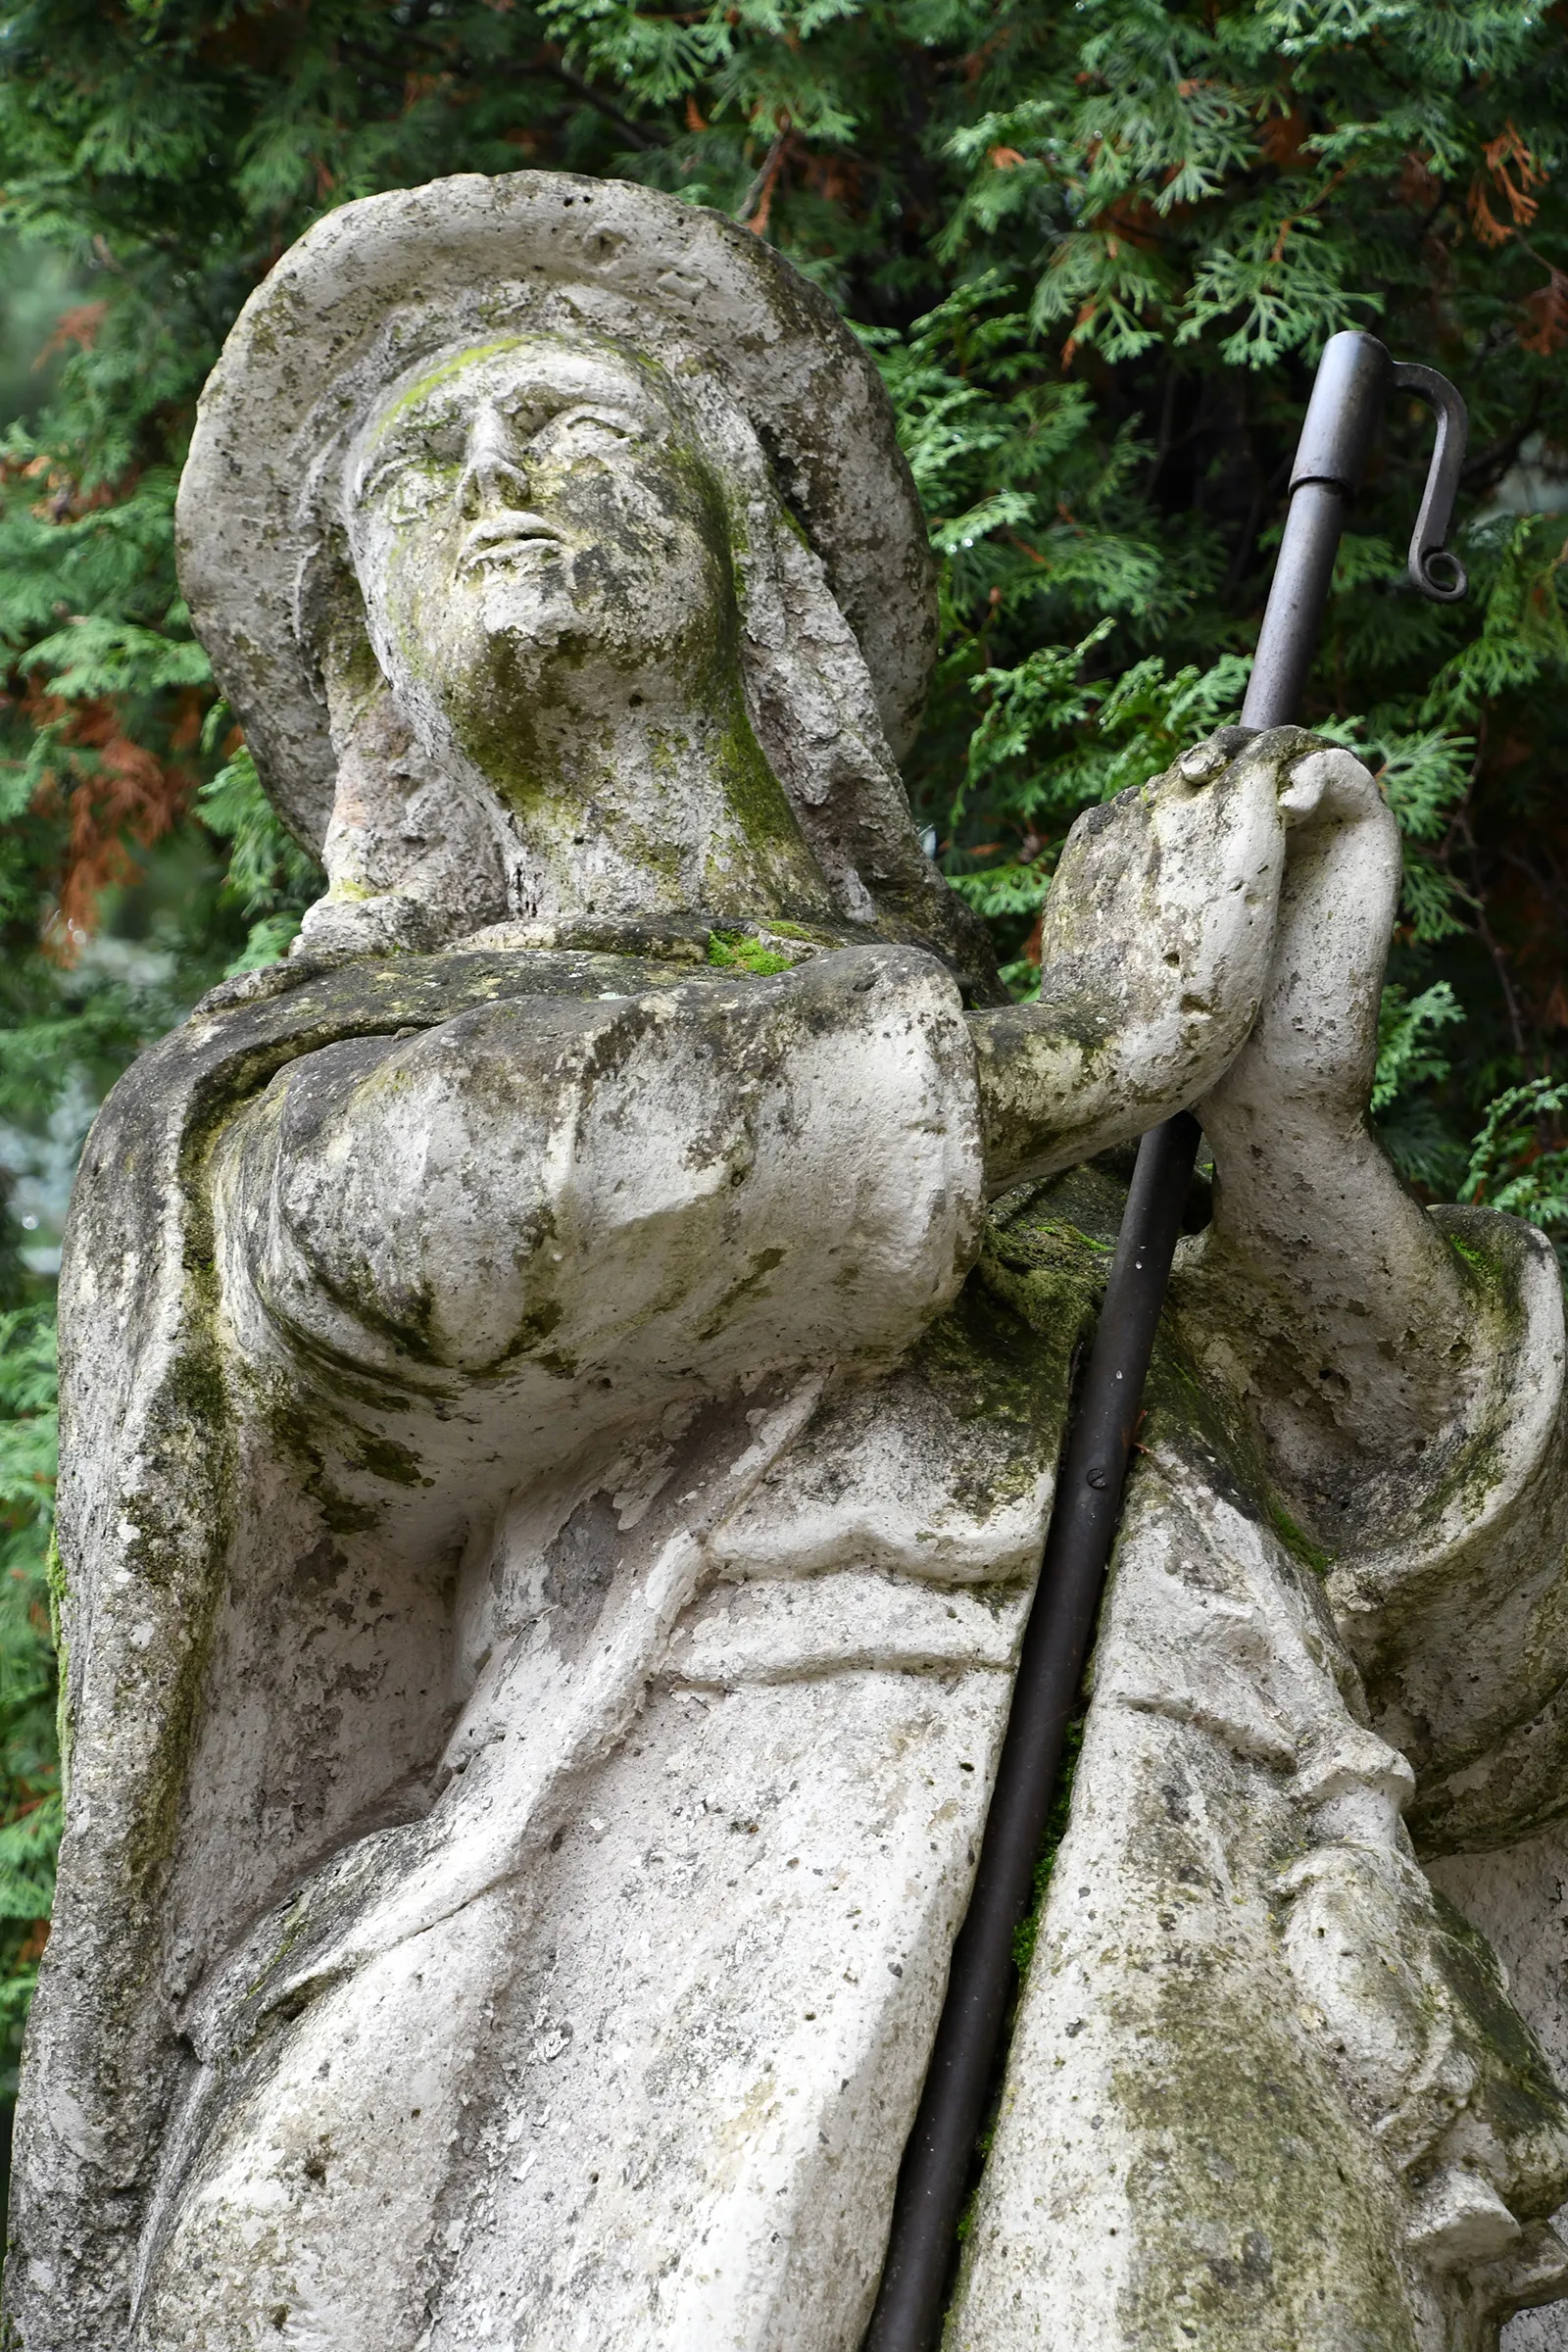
[1456, 1611]
[714, 1178]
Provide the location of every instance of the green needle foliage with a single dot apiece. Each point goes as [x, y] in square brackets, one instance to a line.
[1096, 249]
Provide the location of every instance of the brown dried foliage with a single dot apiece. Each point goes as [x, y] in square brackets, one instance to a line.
[1548, 314]
[1513, 172]
[112, 794]
[79, 326]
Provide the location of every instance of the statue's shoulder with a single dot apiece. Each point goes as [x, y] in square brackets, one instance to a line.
[247, 1028]
[250, 1025]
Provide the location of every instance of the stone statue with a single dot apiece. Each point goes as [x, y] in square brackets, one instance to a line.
[562, 1379]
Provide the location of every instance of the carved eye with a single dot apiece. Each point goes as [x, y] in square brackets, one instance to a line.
[401, 487]
[406, 481]
[409, 473]
[590, 428]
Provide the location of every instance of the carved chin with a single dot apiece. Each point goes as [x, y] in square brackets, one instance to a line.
[494, 632]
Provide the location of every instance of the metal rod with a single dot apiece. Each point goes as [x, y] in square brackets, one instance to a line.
[1342, 417]
[1429, 540]
[940, 2147]
[1288, 639]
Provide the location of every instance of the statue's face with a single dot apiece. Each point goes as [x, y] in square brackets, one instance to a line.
[531, 507]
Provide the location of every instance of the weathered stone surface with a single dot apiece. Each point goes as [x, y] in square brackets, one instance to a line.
[1262, 2088]
[558, 1447]
[1515, 1895]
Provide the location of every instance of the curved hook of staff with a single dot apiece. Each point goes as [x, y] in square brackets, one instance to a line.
[1429, 548]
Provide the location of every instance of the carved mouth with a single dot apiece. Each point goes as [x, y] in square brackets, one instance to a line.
[500, 537]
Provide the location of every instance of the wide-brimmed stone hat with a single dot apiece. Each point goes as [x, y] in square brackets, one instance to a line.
[373, 288]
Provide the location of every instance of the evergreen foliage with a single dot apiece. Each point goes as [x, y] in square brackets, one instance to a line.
[1096, 249]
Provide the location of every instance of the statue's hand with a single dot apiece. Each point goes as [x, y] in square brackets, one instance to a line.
[1155, 948]
[1403, 1389]
[1312, 1049]
[1161, 914]
[1320, 1275]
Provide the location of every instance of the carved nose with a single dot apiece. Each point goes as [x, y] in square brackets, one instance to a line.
[491, 476]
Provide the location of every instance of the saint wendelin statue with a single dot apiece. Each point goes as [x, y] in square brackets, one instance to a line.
[562, 1382]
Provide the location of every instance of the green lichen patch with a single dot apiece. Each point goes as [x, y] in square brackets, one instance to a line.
[452, 365]
[1263, 2212]
[54, 1581]
[1002, 1385]
[383, 1458]
[1298, 1541]
[1307, 2255]
[1516, 2094]
[1027, 1932]
[304, 1433]
[1050, 1274]
[753, 1280]
[741, 949]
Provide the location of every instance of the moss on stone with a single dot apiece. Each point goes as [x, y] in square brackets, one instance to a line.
[761, 1265]
[303, 1432]
[174, 1553]
[1027, 1932]
[395, 1463]
[54, 1579]
[445, 369]
[1520, 2098]
[730, 948]
[1315, 1557]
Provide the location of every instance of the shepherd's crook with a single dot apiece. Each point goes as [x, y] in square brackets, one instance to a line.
[1353, 378]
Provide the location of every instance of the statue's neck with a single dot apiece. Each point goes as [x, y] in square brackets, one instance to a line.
[641, 799]
[644, 801]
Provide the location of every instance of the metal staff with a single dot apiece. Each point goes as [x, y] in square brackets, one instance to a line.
[1353, 378]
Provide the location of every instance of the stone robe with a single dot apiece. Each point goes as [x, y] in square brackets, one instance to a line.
[556, 1460]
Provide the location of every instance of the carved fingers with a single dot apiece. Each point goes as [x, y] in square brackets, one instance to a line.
[1315, 1036]
[1157, 945]
[1163, 905]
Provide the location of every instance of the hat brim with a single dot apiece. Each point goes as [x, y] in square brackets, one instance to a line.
[374, 286]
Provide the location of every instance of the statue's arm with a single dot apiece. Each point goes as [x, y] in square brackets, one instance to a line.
[1318, 1261]
[695, 1181]
[1403, 1367]
[1154, 952]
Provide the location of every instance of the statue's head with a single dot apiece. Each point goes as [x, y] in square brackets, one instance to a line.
[552, 541]
[527, 506]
